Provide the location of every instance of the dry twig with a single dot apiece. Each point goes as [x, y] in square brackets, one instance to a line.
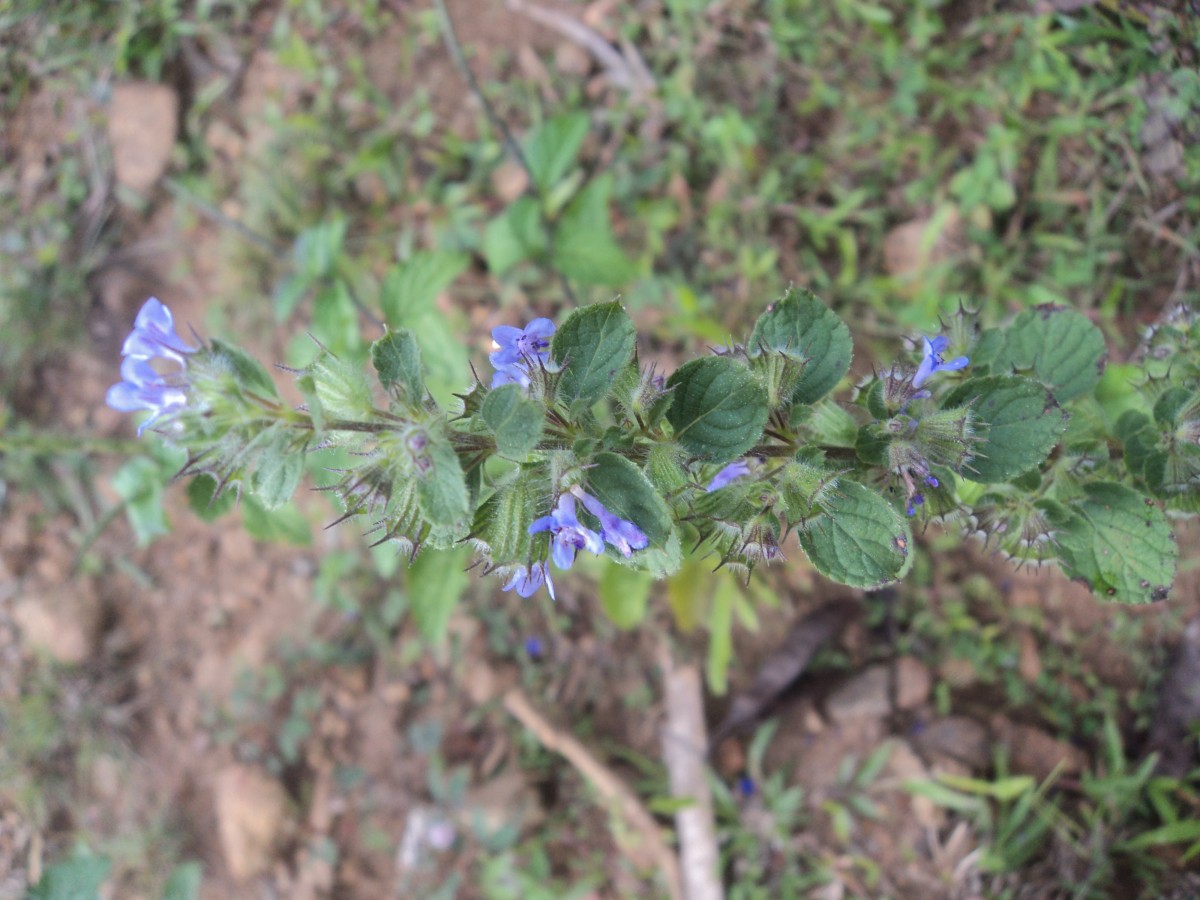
[652, 850]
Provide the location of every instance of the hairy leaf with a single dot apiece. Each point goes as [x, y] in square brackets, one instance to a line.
[861, 540]
[719, 408]
[1017, 422]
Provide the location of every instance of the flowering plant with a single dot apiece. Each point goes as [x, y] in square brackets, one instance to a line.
[573, 445]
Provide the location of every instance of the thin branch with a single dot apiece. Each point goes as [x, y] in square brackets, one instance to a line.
[651, 846]
[685, 746]
[501, 127]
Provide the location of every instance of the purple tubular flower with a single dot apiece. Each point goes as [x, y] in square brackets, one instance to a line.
[141, 388]
[567, 534]
[932, 481]
[735, 470]
[518, 349]
[933, 362]
[154, 336]
[621, 533]
[526, 580]
[915, 501]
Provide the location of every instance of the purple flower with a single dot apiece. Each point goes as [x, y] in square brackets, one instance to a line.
[567, 535]
[142, 387]
[932, 361]
[621, 533]
[534, 647]
[746, 786]
[732, 472]
[526, 580]
[517, 349]
[932, 482]
[154, 336]
[913, 502]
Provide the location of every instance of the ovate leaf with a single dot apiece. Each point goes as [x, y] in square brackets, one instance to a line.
[719, 408]
[861, 540]
[436, 580]
[802, 327]
[552, 148]
[516, 421]
[1119, 543]
[624, 593]
[626, 492]
[397, 360]
[1017, 422]
[592, 346]
[1059, 347]
[584, 247]
[441, 485]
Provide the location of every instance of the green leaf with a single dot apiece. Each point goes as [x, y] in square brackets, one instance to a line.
[436, 580]
[501, 525]
[593, 345]
[514, 236]
[279, 463]
[341, 388]
[720, 634]
[1119, 544]
[200, 497]
[247, 372]
[802, 327]
[315, 254]
[861, 540]
[79, 878]
[409, 300]
[1017, 424]
[584, 247]
[184, 883]
[411, 289]
[719, 408]
[441, 486]
[140, 484]
[626, 492]
[397, 360]
[1058, 346]
[624, 593]
[553, 147]
[515, 420]
[284, 525]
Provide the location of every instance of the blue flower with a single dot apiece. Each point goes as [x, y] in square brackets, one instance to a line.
[621, 533]
[914, 501]
[567, 534]
[732, 472]
[518, 349]
[932, 361]
[746, 786]
[142, 387]
[526, 580]
[154, 337]
[534, 646]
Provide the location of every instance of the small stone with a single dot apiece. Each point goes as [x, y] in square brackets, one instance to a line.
[868, 694]
[913, 682]
[571, 59]
[509, 181]
[251, 808]
[957, 737]
[143, 120]
[1029, 661]
[1033, 752]
[958, 673]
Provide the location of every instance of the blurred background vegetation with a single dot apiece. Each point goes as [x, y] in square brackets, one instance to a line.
[288, 168]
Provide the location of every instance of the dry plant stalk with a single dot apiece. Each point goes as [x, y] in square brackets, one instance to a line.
[651, 850]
